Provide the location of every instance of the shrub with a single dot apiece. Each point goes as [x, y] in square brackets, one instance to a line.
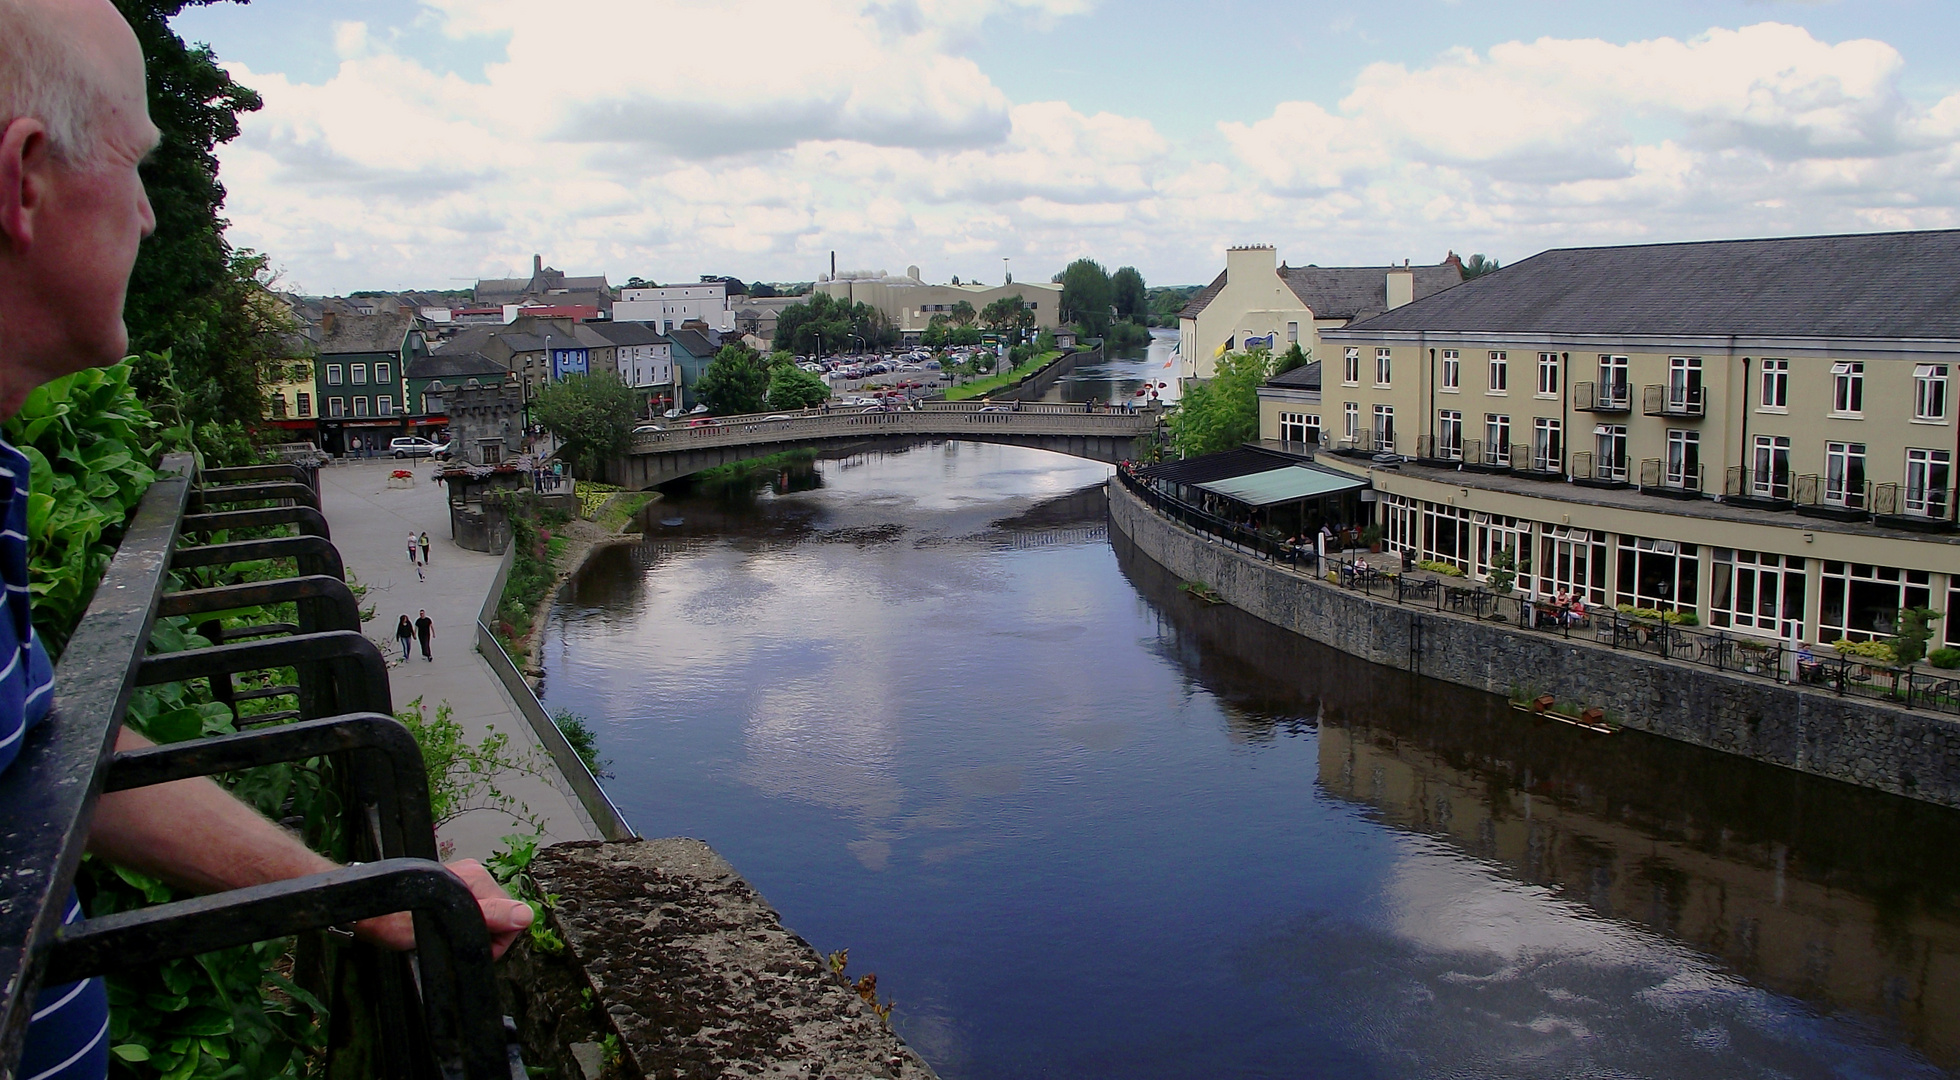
[1442, 568]
[1880, 651]
[1944, 658]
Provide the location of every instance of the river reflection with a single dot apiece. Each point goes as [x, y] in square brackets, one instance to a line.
[1082, 824]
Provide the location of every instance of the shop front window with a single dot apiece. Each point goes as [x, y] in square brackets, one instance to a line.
[1657, 574]
[1748, 590]
[1862, 602]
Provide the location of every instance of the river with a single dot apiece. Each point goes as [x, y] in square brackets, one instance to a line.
[1082, 824]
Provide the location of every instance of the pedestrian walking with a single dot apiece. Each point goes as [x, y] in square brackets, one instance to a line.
[404, 635]
[355, 446]
[425, 628]
[413, 547]
[425, 549]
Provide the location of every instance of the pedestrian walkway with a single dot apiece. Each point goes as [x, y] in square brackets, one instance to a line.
[371, 521]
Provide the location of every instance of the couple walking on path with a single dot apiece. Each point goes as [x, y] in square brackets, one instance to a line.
[423, 629]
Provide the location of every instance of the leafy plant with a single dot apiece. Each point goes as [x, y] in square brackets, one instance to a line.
[463, 775]
[585, 743]
[1944, 658]
[1881, 651]
[1503, 571]
[1915, 630]
[1443, 568]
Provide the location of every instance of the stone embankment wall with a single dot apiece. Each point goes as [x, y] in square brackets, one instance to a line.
[1859, 742]
[672, 965]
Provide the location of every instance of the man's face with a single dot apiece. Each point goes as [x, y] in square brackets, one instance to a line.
[61, 310]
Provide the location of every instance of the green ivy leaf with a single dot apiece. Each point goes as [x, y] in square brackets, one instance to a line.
[131, 1052]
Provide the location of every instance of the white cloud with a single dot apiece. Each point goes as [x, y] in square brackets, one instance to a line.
[751, 137]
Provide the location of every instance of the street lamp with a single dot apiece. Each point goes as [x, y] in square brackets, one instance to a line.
[1006, 278]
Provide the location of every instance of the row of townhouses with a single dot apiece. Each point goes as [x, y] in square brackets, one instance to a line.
[1759, 432]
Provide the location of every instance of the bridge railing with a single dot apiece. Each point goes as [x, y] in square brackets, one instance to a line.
[943, 419]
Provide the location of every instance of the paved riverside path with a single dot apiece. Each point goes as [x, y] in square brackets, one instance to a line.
[370, 522]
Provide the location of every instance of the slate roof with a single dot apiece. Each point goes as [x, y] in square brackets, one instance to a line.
[695, 343]
[454, 365]
[365, 333]
[1203, 300]
[469, 339]
[1340, 292]
[1304, 377]
[1875, 285]
[627, 333]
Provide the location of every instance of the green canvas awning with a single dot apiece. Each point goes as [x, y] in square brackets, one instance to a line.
[1286, 484]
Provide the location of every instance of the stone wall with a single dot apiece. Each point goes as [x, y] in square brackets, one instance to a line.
[1857, 741]
[672, 966]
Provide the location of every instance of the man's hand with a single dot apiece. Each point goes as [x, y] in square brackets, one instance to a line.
[503, 917]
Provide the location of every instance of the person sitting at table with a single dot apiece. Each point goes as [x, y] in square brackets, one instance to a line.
[1575, 611]
[1809, 668]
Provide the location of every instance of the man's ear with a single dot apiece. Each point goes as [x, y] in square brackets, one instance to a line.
[25, 157]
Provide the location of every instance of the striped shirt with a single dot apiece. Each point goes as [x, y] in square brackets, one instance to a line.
[69, 1033]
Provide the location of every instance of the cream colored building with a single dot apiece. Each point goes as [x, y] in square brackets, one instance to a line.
[1254, 300]
[910, 303]
[1761, 432]
[289, 390]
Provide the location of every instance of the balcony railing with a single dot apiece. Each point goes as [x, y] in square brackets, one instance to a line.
[433, 1013]
[1677, 401]
[1590, 468]
[1772, 489]
[1821, 496]
[1369, 442]
[1537, 461]
[1601, 397]
[1660, 478]
[1432, 448]
[1912, 506]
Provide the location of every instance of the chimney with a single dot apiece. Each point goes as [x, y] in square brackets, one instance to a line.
[1401, 285]
[1251, 263]
[326, 321]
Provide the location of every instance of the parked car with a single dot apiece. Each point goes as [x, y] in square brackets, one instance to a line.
[417, 447]
[995, 408]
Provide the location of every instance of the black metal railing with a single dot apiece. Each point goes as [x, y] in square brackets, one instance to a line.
[1665, 478]
[1678, 401]
[1771, 487]
[1601, 397]
[1912, 502]
[432, 1012]
[1822, 496]
[1439, 448]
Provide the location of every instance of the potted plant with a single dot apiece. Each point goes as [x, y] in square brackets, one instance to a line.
[1372, 536]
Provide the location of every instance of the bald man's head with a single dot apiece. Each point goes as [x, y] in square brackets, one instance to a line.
[66, 63]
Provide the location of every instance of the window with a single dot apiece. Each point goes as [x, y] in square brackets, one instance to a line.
[1449, 435]
[1770, 477]
[279, 407]
[1350, 420]
[333, 374]
[384, 405]
[1497, 439]
[1547, 374]
[1684, 382]
[1613, 381]
[305, 404]
[1752, 591]
[1610, 460]
[1657, 574]
[1404, 520]
[1299, 427]
[1844, 474]
[1574, 561]
[1848, 389]
[1862, 602]
[1683, 459]
[1452, 370]
[360, 406]
[1500, 373]
[381, 372]
[1292, 333]
[334, 406]
[1776, 384]
[1928, 479]
[1383, 371]
[1352, 375]
[1498, 536]
[1446, 534]
[1547, 444]
[1929, 392]
[1385, 427]
[359, 372]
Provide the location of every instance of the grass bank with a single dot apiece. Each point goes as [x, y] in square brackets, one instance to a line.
[991, 383]
[736, 471]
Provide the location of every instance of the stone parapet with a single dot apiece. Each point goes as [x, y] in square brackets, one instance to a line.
[674, 966]
[1857, 741]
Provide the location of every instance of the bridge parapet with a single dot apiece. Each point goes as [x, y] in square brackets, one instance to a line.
[941, 422]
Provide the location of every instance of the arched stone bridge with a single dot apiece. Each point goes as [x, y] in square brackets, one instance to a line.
[659, 456]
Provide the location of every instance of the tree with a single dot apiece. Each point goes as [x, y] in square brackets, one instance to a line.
[638, 282]
[1222, 412]
[736, 286]
[1004, 314]
[190, 293]
[1477, 266]
[1293, 357]
[1086, 296]
[963, 313]
[736, 381]
[790, 387]
[832, 323]
[1129, 295]
[592, 415]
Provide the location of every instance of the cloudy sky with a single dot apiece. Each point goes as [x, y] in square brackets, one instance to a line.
[427, 142]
